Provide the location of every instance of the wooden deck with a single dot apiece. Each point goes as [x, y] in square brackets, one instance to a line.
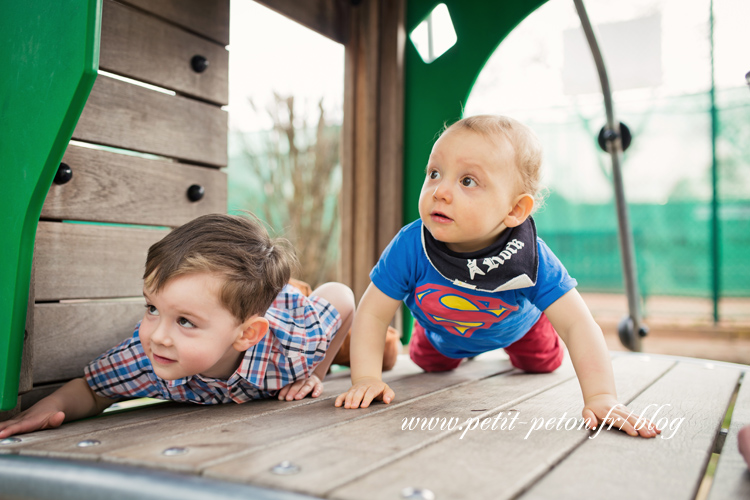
[363, 454]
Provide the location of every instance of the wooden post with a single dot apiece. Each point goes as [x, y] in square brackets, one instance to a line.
[372, 139]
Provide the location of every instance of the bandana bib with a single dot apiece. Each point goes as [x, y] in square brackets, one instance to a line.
[509, 263]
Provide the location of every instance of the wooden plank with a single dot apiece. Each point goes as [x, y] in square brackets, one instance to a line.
[501, 463]
[209, 19]
[676, 461]
[128, 116]
[326, 17]
[148, 49]
[73, 334]
[370, 441]
[111, 187]
[77, 261]
[101, 427]
[732, 479]
[252, 430]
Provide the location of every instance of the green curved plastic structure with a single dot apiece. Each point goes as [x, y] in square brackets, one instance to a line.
[50, 57]
[435, 93]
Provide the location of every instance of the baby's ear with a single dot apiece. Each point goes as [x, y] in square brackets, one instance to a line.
[253, 330]
[521, 210]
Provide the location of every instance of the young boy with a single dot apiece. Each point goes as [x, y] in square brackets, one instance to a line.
[221, 325]
[476, 277]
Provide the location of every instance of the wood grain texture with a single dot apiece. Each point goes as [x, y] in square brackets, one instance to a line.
[326, 17]
[501, 463]
[112, 187]
[732, 477]
[370, 442]
[372, 149]
[675, 466]
[69, 335]
[148, 49]
[207, 18]
[77, 261]
[127, 116]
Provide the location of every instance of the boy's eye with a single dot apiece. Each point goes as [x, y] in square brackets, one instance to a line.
[185, 323]
[468, 182]
[433, 174]
[153, 311]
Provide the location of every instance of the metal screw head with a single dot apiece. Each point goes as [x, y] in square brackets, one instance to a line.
[195, 192]
[64, 174]
[10, 440]
[417, 494]
[285, 468]
[88, 443]
[199, 63]
[174, 451]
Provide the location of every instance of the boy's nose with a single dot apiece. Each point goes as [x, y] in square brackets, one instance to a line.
[161, 335]
[442, 192]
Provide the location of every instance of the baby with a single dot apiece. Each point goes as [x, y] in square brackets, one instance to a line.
[221, 325]
[476, 277]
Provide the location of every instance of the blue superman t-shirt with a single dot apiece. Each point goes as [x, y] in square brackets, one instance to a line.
[461, 322]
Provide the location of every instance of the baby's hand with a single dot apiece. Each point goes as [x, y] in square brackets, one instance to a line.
[35, 418]
[301, 388]
[604, 409]
[362, 393]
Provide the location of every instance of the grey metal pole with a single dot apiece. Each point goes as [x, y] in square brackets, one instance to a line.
[614, 148]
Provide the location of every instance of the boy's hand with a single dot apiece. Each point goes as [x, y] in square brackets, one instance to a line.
[604, 409]
[35, 418]
[301, 388]
[362, 393]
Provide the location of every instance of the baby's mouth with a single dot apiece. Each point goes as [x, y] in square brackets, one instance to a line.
[440, 217]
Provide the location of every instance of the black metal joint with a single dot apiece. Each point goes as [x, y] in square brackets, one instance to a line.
[195, 192]
[64, 174]
[199, 63]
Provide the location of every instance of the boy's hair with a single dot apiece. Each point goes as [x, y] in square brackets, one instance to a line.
[254, 267]
[526, 145]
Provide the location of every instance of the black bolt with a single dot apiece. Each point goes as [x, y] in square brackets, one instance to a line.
[199, 63]
[64, 174]
[195, 192]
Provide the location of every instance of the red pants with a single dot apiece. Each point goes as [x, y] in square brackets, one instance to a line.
[539, 351]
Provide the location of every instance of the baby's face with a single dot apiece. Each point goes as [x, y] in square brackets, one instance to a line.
[469, 189]
[187, 331]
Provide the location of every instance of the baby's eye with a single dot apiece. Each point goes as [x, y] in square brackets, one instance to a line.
[433, 174]
[185, 323]
[468, 182]
[153, 311]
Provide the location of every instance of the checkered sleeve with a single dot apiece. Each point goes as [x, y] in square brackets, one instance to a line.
[301, 329]
[123, 371]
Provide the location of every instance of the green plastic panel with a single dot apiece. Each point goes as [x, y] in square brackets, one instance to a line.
[49, 56]
[436, 93]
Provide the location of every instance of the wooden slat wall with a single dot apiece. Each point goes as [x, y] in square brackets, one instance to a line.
[128, 34]
[87, 277]
[111, 187]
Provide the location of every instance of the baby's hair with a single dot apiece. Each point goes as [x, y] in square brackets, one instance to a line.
[239, 250]
[526, 146]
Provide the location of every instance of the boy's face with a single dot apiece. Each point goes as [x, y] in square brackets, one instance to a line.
[469, 190]
[187, 331]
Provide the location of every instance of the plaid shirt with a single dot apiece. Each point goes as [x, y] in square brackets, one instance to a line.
[301, 329]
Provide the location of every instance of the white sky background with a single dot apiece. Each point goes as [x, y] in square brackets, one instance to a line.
[267, 53]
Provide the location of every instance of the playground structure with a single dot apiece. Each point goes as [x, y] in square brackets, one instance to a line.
[84, 275]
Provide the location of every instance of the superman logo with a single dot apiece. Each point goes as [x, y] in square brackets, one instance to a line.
[460, 313]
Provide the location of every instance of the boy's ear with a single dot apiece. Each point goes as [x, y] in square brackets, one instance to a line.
[524, 204]
[253, 330]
